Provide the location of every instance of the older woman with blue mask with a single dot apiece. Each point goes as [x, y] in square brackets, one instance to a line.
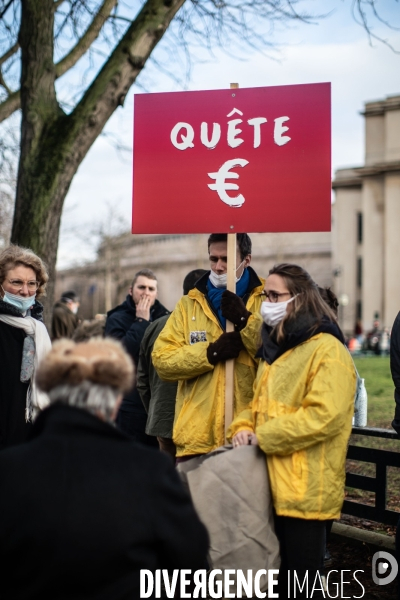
[23, 341]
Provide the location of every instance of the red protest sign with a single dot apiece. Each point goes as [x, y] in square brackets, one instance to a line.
[256, 160]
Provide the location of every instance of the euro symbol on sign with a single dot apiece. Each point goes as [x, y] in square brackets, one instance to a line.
[221, 186]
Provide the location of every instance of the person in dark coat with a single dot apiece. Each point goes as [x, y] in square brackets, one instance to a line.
[89, 328]
[65, 320]
[83, 508]
[159, 396]
[128, 323]
[23, 340]
[395, 370]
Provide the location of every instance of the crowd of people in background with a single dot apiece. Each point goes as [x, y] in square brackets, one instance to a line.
[376, 341]
[85, 500]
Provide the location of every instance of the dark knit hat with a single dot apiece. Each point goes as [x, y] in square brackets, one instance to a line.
[70, 295]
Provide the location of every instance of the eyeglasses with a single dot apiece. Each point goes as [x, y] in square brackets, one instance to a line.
[274, 296]
[18, 284]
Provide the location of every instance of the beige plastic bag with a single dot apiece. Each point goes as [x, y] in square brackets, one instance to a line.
[231, 493]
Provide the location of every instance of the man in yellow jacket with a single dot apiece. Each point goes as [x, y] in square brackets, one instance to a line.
[193, 347]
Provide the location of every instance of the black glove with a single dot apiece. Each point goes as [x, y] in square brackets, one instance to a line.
[234, 309]
[227, 346]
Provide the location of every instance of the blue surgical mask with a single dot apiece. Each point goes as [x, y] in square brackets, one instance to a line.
[21, 303]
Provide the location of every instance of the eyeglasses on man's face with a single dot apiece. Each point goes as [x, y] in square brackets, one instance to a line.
[274, 296]
[18, 284]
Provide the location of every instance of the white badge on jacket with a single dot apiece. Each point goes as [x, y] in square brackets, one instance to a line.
[197, 336]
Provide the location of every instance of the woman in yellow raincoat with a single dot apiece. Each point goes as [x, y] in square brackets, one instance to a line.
[301, 417]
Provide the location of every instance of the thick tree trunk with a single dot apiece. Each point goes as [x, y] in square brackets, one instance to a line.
[53, 144]
[40, 110]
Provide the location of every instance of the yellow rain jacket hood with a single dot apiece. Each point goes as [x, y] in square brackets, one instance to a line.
[180, 353]
[302, 416]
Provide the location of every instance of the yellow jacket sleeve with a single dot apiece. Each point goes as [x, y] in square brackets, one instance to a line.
[173, 356]
[251, 334]
[243, 422]
[323, 414]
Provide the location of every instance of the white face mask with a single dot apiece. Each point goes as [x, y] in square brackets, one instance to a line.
[221, 281]
[273, 312]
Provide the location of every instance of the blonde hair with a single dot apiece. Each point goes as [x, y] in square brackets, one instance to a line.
[13, 256]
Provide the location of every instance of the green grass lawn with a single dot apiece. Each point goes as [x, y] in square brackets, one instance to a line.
[376, 372]
[378, 381]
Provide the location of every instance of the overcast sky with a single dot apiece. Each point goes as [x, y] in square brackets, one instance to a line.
[337, 50]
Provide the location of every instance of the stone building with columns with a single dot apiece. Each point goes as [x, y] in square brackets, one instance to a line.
[366, 224]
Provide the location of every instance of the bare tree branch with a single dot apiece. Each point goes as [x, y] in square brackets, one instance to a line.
[5, 9]
[87, 39]
[9, 148]
[10, 105]
[360, 16]
[109, 89]
[3, 84]
[13, 102]
[9, 53]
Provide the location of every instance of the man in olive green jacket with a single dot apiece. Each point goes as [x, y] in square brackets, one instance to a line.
[159, 396]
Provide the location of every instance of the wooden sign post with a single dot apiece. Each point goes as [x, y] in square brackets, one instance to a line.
[230, 364]
[231, 286]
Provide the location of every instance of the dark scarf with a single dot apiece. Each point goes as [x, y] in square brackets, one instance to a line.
[296, 332]
[36, 311]
[215, 294]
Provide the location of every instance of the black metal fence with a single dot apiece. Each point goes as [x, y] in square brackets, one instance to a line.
[378, 484]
